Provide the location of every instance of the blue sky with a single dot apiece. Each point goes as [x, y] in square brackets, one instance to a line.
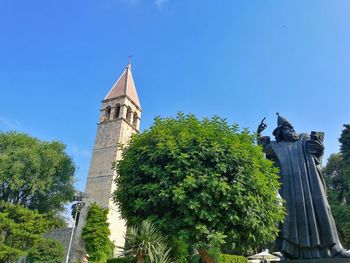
[241, 60]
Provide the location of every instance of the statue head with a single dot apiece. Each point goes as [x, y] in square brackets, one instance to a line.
[284, 131]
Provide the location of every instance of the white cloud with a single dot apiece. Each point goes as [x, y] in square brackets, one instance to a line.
[160, 3]
[9, 124]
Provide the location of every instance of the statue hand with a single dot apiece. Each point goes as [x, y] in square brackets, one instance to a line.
[262, 126]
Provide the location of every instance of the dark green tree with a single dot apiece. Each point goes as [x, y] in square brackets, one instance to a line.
[345, 143]
[20, 230]
[202, 181]
[96, 234]
[46, 250]
[33, 173]
[337, 176]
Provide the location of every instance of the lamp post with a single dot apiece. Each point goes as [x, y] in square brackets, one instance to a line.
[78, 205]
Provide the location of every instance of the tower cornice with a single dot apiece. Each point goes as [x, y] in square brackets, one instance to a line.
[123, 97]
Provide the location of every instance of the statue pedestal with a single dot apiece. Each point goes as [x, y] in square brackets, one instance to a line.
[324, 260]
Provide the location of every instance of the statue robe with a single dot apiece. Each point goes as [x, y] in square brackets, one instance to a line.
[308, 230]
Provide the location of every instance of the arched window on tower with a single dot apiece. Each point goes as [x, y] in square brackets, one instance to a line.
[134, 122]
[128, 115]
[117, 111]
[108, 113]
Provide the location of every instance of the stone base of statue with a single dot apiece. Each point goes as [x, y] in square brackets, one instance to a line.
[324, 260]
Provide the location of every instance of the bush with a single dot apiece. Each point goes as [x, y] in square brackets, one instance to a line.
[122, 260]
[225, 258]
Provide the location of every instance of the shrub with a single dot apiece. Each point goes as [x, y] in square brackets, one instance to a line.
[122, 260]
[225, 258]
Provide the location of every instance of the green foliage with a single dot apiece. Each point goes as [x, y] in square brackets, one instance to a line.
[180, 251]
[345, 151]
[345, 143]
[34, 173]
[96, 234]
[144, 241]
[225, 258]
[122, 260]
[20, 230]
[215, 253]
[200, 180]
[163, 254]
[46, 251]
[337, 176]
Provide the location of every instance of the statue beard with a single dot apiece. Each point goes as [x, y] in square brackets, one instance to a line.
[289, 136]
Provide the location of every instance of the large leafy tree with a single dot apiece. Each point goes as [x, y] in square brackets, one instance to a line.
[36, 174]
[202, 181]
[21, 229]
[96, 234]
[337, 175]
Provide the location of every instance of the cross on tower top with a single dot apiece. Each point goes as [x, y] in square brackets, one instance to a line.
[129, 60]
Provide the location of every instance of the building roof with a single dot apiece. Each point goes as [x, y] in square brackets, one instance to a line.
[124, 86]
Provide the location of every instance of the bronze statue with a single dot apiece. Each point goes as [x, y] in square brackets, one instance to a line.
[308, 231]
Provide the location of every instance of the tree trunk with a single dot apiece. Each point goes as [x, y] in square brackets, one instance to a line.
[140, 258]
[205, 256]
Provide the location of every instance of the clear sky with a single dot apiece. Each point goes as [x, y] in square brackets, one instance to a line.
[241, 60]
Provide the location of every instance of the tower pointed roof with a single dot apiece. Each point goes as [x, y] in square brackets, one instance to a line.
[125, 86]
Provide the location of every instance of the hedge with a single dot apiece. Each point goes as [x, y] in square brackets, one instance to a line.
[225, 258]
[122, 260]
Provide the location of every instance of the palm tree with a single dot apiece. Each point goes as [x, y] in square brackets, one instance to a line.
[145, 241]
[163, 255]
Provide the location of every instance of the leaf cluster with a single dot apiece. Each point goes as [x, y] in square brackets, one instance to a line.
[203, 181]
[96, 234]
[34, 173]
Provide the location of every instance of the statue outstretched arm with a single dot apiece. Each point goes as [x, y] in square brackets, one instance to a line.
[264, 141]
[262, 126]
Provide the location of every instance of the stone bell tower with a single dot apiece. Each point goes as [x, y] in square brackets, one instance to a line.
[119, 119]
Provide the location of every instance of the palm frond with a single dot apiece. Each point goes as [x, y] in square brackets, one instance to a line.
[145, 240]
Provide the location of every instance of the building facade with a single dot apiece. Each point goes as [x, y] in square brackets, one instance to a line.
[119, 119]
